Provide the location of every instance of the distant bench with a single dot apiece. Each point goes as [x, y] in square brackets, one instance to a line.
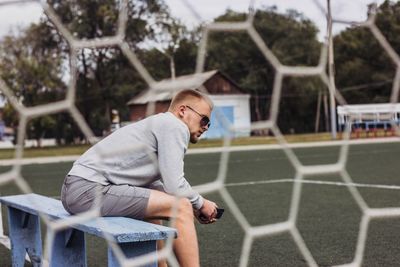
[134, 237]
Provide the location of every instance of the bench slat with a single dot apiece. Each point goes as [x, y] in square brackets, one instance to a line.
[121, 228]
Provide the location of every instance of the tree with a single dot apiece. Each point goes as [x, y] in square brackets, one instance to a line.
[106, 79]
[32, 67]
[35, 67]
[293, 40]
[364, 71]
[168, 39]
[158, 63]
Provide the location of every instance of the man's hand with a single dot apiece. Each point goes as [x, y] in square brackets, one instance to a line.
[206, 214]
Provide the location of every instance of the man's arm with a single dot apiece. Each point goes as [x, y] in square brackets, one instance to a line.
[172, 141]
[157, 185]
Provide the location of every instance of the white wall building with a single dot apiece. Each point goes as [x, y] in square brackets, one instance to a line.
[230, 111]
[231, 114]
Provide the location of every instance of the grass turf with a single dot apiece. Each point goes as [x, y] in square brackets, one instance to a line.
[328, 217]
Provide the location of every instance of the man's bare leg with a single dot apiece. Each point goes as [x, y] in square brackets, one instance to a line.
[185, 245]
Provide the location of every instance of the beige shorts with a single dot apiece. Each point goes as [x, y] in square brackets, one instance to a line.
[78, 195]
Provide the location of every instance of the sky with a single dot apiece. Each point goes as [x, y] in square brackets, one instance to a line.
[20, 15]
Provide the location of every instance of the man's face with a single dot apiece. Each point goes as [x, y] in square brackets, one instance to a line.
[196, 115]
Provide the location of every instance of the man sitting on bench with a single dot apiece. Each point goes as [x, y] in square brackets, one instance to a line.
[132, 185]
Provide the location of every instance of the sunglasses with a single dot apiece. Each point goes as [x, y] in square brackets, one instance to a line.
[205, 120]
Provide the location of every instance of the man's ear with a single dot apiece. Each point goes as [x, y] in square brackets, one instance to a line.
[181, 110]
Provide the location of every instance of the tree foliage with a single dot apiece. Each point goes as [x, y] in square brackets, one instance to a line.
[106, 80]
[33, 64]
[364, 71]
[32, 67]
[291, 37]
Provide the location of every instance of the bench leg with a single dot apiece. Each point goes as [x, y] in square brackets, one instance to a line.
[132, 250]
[25, 237]
[68, 249]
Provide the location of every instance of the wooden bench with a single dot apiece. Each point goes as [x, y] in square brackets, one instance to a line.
[134, 237]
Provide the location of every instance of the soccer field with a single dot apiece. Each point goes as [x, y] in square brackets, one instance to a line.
[261, 184]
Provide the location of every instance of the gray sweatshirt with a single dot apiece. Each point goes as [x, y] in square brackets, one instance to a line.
[148, 153]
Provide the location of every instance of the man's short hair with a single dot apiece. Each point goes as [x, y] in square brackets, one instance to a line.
[188, 95]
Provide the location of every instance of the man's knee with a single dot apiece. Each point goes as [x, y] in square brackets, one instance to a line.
[163, 205]
[185, 207]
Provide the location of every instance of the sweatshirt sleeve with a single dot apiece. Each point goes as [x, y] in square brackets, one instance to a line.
[172, 142]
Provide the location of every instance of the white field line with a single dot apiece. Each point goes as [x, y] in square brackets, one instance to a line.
[295, 145]
[55, 159]
[40, 160]
[289, 180]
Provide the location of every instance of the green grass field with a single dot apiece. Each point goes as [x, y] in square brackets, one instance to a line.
[261, 184]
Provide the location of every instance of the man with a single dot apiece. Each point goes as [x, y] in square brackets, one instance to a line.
[143, 183]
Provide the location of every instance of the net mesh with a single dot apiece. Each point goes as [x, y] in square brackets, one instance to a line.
[219, 184]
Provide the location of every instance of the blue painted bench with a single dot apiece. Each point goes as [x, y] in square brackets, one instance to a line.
[134, 237]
